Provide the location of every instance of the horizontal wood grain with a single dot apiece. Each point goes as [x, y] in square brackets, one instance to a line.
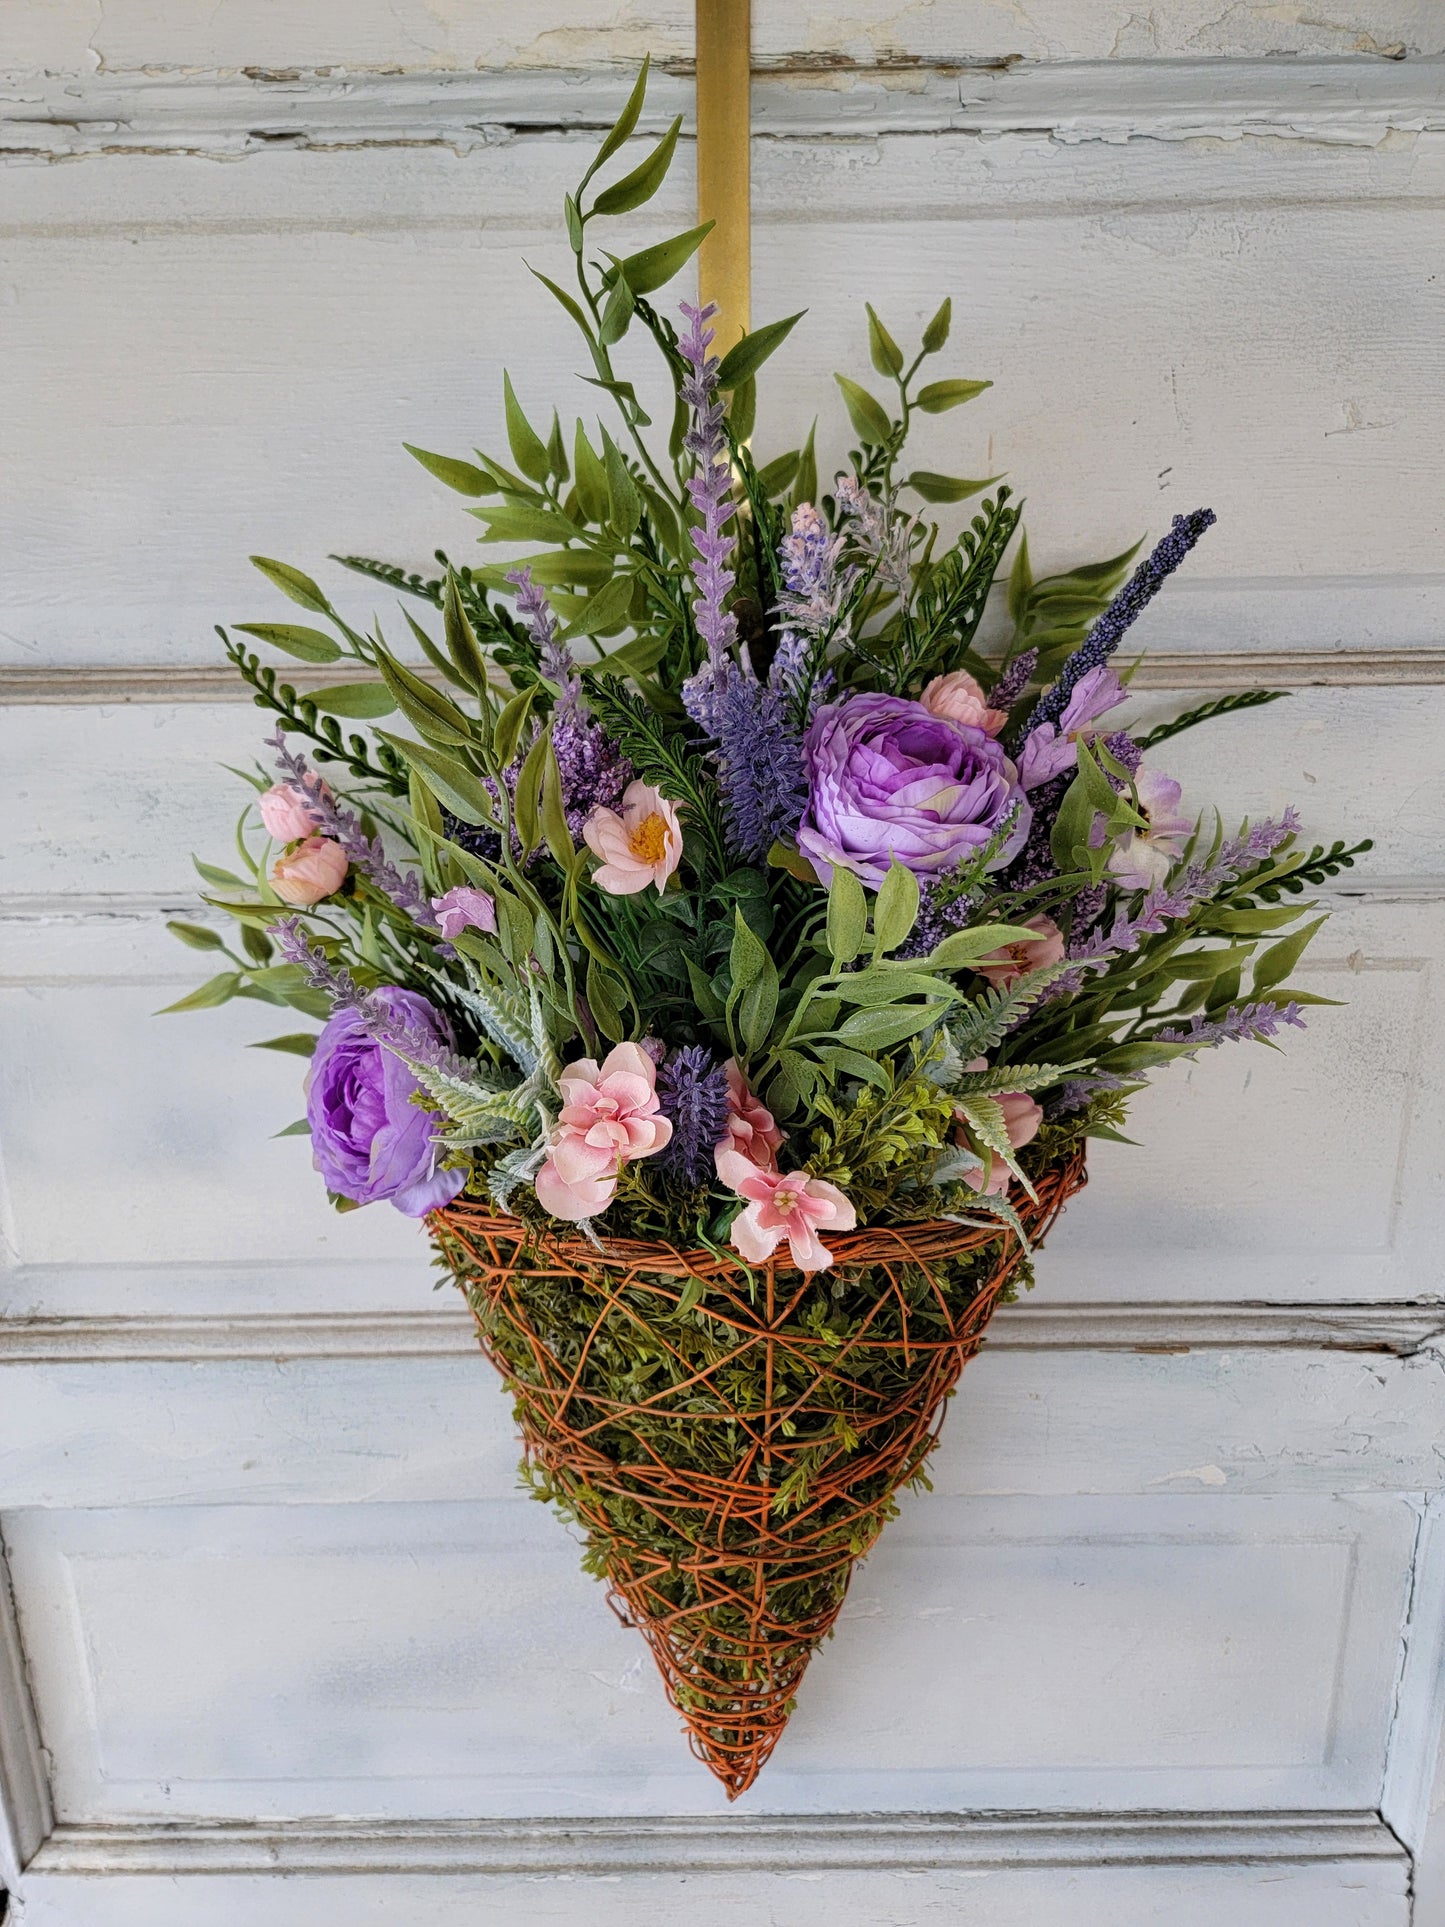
[1250, 324]
[161, 110]
[67, 36]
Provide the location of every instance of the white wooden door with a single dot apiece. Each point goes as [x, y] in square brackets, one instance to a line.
[282, 1641]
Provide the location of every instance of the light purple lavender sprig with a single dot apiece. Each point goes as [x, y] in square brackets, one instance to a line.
[363, 852]
[1241, 1023]
[336, 982]
[711, 492]
[1170, 902]
[592, 768]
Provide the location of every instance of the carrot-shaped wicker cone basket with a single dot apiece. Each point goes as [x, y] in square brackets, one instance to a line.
[731, 1452]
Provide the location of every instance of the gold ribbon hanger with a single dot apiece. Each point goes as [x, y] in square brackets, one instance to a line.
[724, 186]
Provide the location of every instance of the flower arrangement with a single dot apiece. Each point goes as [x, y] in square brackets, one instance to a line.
[736, 955]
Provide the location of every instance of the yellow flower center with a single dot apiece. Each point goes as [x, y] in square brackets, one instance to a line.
[648, 841]
[786, 1202]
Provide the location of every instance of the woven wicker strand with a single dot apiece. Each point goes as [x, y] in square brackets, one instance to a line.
[727, 1531]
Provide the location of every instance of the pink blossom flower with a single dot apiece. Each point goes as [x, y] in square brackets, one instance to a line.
[288, 812]
[1021, 1120]
[961, 697]
[1005, 967]
[314, 869]
[752, 1132]
[464, 908]
[1143, 858]
[608, 1117]
[643, 845]
[783, 1204]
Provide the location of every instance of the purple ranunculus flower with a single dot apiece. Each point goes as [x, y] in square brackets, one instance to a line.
[369, 1141]
[888, 780]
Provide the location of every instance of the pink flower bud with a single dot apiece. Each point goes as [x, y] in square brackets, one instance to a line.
[960, 697]
[313, 870]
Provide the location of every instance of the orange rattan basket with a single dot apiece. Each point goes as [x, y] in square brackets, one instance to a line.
[731, 1443]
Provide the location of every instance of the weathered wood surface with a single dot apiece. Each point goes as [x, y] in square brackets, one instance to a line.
[240, 1471]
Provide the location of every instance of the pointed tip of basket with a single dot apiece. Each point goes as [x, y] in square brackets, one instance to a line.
[736, 1764]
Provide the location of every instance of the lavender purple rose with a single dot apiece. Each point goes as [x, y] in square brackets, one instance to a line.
[889, 781]
[369, 1141]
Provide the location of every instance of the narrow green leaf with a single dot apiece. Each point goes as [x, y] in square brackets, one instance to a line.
[617, 313]
[363, 700]
[555, 832]
[604, 610]
[621, 130]
[654, 267]
[643, 182]
[937, 396]
[885, 351]
[605, 999]
[1021, 581]
[847, 916]
[297, 1043]
[529, 451]
[453, 783]
[805, 489]
[776, 477]
[291, 582]
[299, 1129]
[743, 360]
[527, 802]
[1277, 963]
[465, 477]
[624, 503]
[222, 879]
[936, 333]
[869, 417]
[947, 488]
[425, 708]
[743, 409]
[748, 956]
[508, 730]
[461, 641]
[758, 1006]
[592, 494]
[962, 947]
[307, 645]
[196, 936]
[520, 524]
[880, 1029]
[217, 990]
[896, 909]
[573, 308]
[572, 214]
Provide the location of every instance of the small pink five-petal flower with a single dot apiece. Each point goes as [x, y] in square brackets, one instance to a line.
[783, 1204]
[1143, 858]
[643, 845]
[609, 1116]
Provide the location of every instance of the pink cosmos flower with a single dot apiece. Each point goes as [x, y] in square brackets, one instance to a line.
[961, 697]
[1143, 858]
[643, 845]
[783, 1204]
[1005, 967]
[609, 1116]
[752, 1132]
[315, 869]
[464, 908]
[287, 811]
